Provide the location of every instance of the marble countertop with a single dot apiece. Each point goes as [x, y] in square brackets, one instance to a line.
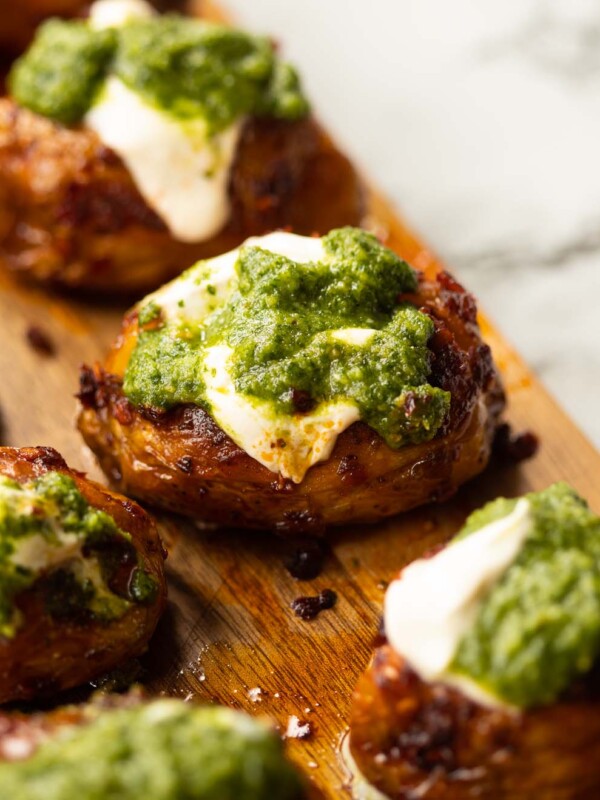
[481, 120]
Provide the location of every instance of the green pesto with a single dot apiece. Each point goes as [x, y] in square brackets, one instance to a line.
[165, 750]
[193, 69]
[538, 629]
[61, 73]
[50, 507]
[278, 322]
[188, 68]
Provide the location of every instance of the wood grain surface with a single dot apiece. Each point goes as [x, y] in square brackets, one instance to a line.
[229, 634]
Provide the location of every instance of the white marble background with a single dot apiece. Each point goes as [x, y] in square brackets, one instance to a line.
[481, 120]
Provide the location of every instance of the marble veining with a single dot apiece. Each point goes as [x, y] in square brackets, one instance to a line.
[584, 242]
[561, 36]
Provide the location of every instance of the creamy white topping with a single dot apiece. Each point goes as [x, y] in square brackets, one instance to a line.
[113, 13]
[353, 336]
[285, 444]
[181, 173]
[435, 601]
[38, 553]
[54, 548]
[42, 553]
[301, 249]
[189, 297]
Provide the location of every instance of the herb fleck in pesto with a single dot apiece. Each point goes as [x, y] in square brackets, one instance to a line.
[538, 629]
[165, 750]
[142, 587]
[52, 537]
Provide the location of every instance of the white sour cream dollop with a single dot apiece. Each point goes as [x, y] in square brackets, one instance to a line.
[181, 172]
[435, 601]
[113, 13]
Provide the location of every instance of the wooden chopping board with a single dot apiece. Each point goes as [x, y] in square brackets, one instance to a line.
[229, 634]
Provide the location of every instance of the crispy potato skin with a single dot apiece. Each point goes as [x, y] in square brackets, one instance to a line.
[182, 461]
[414, 739]
[71, 215]
[48, 655]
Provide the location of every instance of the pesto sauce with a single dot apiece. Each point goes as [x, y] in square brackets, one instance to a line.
[187, 68]
[279, 322]
[192, 69]
[50, 515]
[538, 629]
[61, 73]
[164, 750]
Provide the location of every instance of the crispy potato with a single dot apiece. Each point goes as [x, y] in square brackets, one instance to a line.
[410, 738]
[72, 216]
[49, 653]
[181, 460]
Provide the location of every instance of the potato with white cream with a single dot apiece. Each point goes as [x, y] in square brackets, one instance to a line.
[82, 583]
[295, 383]
[486, 685]
[133, 144]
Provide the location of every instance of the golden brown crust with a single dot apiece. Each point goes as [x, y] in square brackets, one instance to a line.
[414, 739]
[47, 654]
[71, 215]
[181, 460]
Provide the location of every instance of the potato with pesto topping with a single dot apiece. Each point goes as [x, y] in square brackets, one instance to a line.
[296, 383]
[134, 144]
[81, 576]
[487, 684]
[124, 749]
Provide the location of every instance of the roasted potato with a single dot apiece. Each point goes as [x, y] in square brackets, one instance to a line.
[410, 738]
[59, 641]
[181, 460]
[72, 216]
